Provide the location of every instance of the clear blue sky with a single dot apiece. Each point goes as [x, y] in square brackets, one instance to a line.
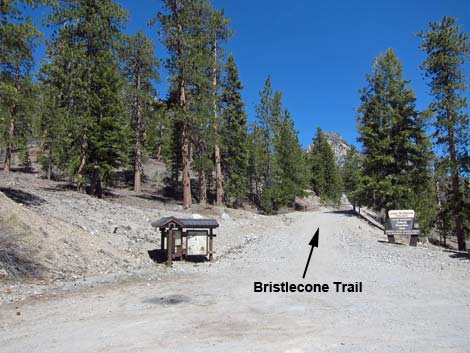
[317, 52]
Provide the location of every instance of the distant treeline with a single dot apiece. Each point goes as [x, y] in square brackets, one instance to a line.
[92, 109]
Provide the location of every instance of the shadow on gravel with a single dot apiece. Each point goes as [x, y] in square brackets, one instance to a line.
[386, 242]
[60, 187]
[348, 213]
[22, 197]
[160, 256]
[154, 197]
[26, 170]
[461, 255]
[107, 193]
[17, 261]
[173, 299]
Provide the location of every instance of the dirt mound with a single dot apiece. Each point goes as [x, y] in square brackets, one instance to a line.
[309, 202]
[32, 246]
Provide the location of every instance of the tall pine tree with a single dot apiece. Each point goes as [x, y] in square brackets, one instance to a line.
[351, 175]
[18, 39]
[234, 136]
[325, 178]
[448, 49]
[83, 72]
[140, 69]
[218, 26]
[185, 29]
[276, 164]
[290, 164]
[396, 164]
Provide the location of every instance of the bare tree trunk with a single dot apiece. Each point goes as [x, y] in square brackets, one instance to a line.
[42, 145]
[185, 143]
[138, 137]
[49, 169]
[439, 208]
[218, 177]
[186, 160]
[457, 194]
[217, 157]
[11, 127]
[96, 188]
[185, 151]
[202, 188]
[202, 175]
[459, 229]
[9, 149]
[158, 155]
[82, 167]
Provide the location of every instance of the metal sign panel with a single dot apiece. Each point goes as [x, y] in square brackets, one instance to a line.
[401, 214]
[401, 220]
[177, 237]
[197, 242]
[401, 223]
[402, 232]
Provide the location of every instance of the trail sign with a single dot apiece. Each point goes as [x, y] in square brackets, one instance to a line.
[402, 222]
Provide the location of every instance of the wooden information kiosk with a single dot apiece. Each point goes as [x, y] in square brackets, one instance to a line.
[183, 237]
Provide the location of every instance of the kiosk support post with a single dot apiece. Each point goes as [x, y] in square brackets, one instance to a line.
[169, 245]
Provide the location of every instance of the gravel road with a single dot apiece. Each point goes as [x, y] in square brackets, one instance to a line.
[412, 300]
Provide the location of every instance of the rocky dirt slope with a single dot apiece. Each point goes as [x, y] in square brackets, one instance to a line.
[58, 235]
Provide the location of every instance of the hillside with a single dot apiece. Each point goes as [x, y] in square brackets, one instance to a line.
[339, 145]
[207, 307]
[53, 234]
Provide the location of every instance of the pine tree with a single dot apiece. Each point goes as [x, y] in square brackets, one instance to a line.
[64, 104]
[290, 164]
[18, 39]
[268, 113]
[234, 136]
[158, 134]
[256, 156]
[264, 122]
[84, 73]
[219, 32]
[185, 31]
[396, 164]
[351, 175]
[325, 177]
[448, 49]
[276, 163]
[140, 68]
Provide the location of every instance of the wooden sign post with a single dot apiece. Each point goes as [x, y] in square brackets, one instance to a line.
[402, 222]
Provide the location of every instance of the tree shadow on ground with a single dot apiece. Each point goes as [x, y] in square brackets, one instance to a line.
[461, 255]
[160, 256]
[155, 197]
[60, 187]
[22, 197]
[26, 170]
[387, 242]
[349, 213]
[107, 192]
[18, 262]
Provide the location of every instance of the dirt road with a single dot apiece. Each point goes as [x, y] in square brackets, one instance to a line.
[412, 300]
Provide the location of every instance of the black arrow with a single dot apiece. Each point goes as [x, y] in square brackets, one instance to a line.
[314, 244]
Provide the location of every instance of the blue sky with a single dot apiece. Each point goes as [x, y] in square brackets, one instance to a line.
[317, 52]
